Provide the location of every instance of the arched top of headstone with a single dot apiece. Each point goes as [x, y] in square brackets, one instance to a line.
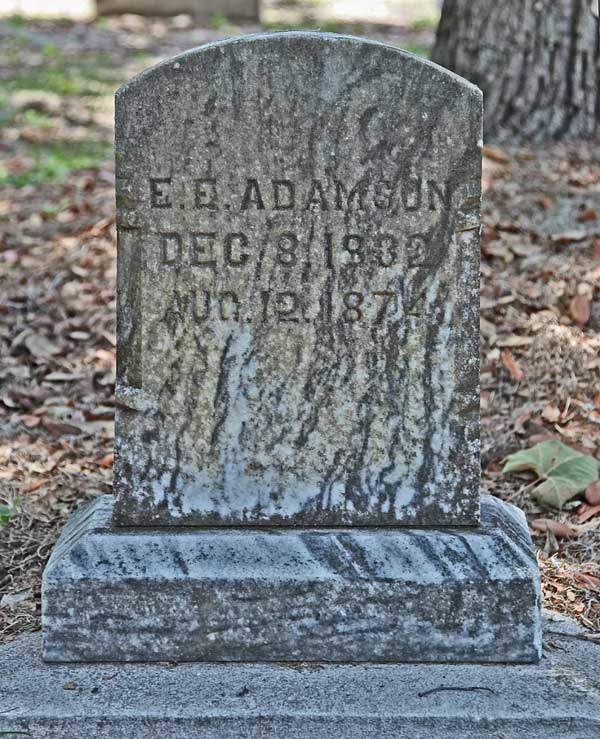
[299, 42]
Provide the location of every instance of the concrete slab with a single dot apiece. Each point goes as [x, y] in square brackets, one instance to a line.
[255, 595]
[559, 697]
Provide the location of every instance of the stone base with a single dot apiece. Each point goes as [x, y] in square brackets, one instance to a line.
[559, 697]
[333, 595]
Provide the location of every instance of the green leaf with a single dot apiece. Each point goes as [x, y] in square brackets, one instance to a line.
[564, 471]
[6, 513]
[555, 492]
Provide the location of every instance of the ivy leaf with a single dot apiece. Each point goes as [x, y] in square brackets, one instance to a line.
[564, 472]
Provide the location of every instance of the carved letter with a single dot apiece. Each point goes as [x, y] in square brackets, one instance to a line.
[202, 250]
[230, 259]
[352, 200]
[205, 193]
[158, 197]
[412, 186]
[286, 189]
[443, 195]
[316, 197]
[383, 195]
[224, 314]
[252, 196]
[205, 313]
[170, 248]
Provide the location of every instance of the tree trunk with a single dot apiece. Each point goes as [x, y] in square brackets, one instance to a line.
[537, 62]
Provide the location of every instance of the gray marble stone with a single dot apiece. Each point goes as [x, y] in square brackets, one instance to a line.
[285, 594]
[560, 697]
[298, 255]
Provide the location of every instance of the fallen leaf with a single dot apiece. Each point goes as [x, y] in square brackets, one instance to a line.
[522, 249]
[498, 250]
[514, 340]
[565, 472]
[560, 530]
[580, 309]
[588, 526]
[592, 493]
[487, 304]
[70, 686]
[108, 379]
[11, 600]
[597, 400]
[106, 461]
[35, 485]
[546, 202]
[589, 582]
[512, 366]
[79, 335]
[496, 155]
[30, 421]
[538, 438]
[59, 428]
[40, 346]
[551, 545]
[100, 413]
[63, 377]
[70, 469]
[569, 237]
[587, 512]
[509, 227]
[587, 214]
[521, 420]
[551, 413]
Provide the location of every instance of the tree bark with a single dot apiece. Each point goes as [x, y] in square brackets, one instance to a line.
[536, 61]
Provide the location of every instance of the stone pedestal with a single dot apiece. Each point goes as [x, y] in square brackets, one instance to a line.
[328, 595]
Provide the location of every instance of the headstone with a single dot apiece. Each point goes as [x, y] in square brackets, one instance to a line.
[200, 10]
[299, 291]
[298, 251]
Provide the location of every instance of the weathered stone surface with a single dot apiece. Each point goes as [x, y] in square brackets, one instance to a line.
[560, 697]
[375, 595]
[298, 287]
[200, 10]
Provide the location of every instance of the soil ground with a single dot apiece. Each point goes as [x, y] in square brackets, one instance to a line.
[540, 298]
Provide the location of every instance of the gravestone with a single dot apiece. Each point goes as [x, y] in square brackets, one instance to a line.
[200, 10]
[298, 289]
[296, 467]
